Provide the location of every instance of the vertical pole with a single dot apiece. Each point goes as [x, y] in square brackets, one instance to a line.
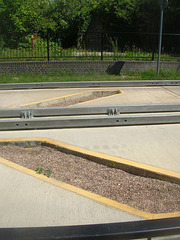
[102, 42]
[152, 46]
[47, 45]
[160, 40]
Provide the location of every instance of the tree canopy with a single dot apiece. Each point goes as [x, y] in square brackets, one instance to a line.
[70, 19]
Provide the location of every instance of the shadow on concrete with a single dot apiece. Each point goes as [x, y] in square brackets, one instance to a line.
[115, 68]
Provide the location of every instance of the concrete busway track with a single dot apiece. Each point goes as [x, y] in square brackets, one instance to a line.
[32, 202]
[61, 116]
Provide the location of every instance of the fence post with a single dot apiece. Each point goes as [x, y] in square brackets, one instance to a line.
[47, 45]
[152, 58]
[102, 46]
[153, 46]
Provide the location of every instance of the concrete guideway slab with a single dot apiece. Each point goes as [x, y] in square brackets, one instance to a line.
[50, 199]
[30, 202]
[129, 95]
[15, 98]
[173, 90]
[156, 145]
[140, 95]
[124, 164]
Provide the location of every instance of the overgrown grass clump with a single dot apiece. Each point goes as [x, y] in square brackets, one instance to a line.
[69, 77]
[152, 75]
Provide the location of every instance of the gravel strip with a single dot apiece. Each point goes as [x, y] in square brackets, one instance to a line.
[81, 99]
[70, 102]
[146, 194]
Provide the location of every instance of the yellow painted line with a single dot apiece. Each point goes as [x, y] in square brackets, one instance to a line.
[12, 107]
[49, 99]
[96, 197]
[112, 158]
[97, 99]
[64, 97]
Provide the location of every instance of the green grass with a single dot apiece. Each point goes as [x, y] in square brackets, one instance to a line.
[152, 75]
[67, 77]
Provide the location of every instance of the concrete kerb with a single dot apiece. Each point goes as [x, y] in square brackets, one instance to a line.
[127, 165]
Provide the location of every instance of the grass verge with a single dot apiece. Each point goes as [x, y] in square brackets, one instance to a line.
[67, 77]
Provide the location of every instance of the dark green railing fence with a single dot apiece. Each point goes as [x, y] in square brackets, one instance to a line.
[96, 46]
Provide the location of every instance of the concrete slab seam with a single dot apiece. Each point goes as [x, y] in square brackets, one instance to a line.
[85, 193]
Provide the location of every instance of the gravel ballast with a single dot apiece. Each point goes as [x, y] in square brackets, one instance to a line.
[146, 194]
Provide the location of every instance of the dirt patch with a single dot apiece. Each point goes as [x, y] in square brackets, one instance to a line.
[147, 194]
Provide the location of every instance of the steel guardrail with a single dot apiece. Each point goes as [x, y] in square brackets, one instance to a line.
[89, 84]
[108, 231]
[93, 110]
[80, 122]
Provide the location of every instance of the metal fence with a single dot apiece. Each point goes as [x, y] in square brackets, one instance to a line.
[95, 46]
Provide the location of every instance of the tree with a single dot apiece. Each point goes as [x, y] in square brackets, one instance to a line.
[69, 20]
[172, 16]
[25, 17]
[114, 15]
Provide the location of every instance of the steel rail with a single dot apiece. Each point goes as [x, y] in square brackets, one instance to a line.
[80, 122]
[94, 110]
[108, 231]
[89, 84]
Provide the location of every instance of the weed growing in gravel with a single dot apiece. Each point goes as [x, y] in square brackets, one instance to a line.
[39, 170]
[113, 165]
[46, 172]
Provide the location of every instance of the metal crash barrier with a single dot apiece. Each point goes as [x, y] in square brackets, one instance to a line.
[110, 231]
[101, 116]
[90, 84]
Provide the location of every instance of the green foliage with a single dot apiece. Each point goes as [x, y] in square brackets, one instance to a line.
[164, 75]
[70, 77]
[114, 44]
[46, 172]
[172, 17]
[112, 164]
[152, 75]
[147, 15]
[70, 20]
[23, 18]
[29, 15]
[39, 170]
